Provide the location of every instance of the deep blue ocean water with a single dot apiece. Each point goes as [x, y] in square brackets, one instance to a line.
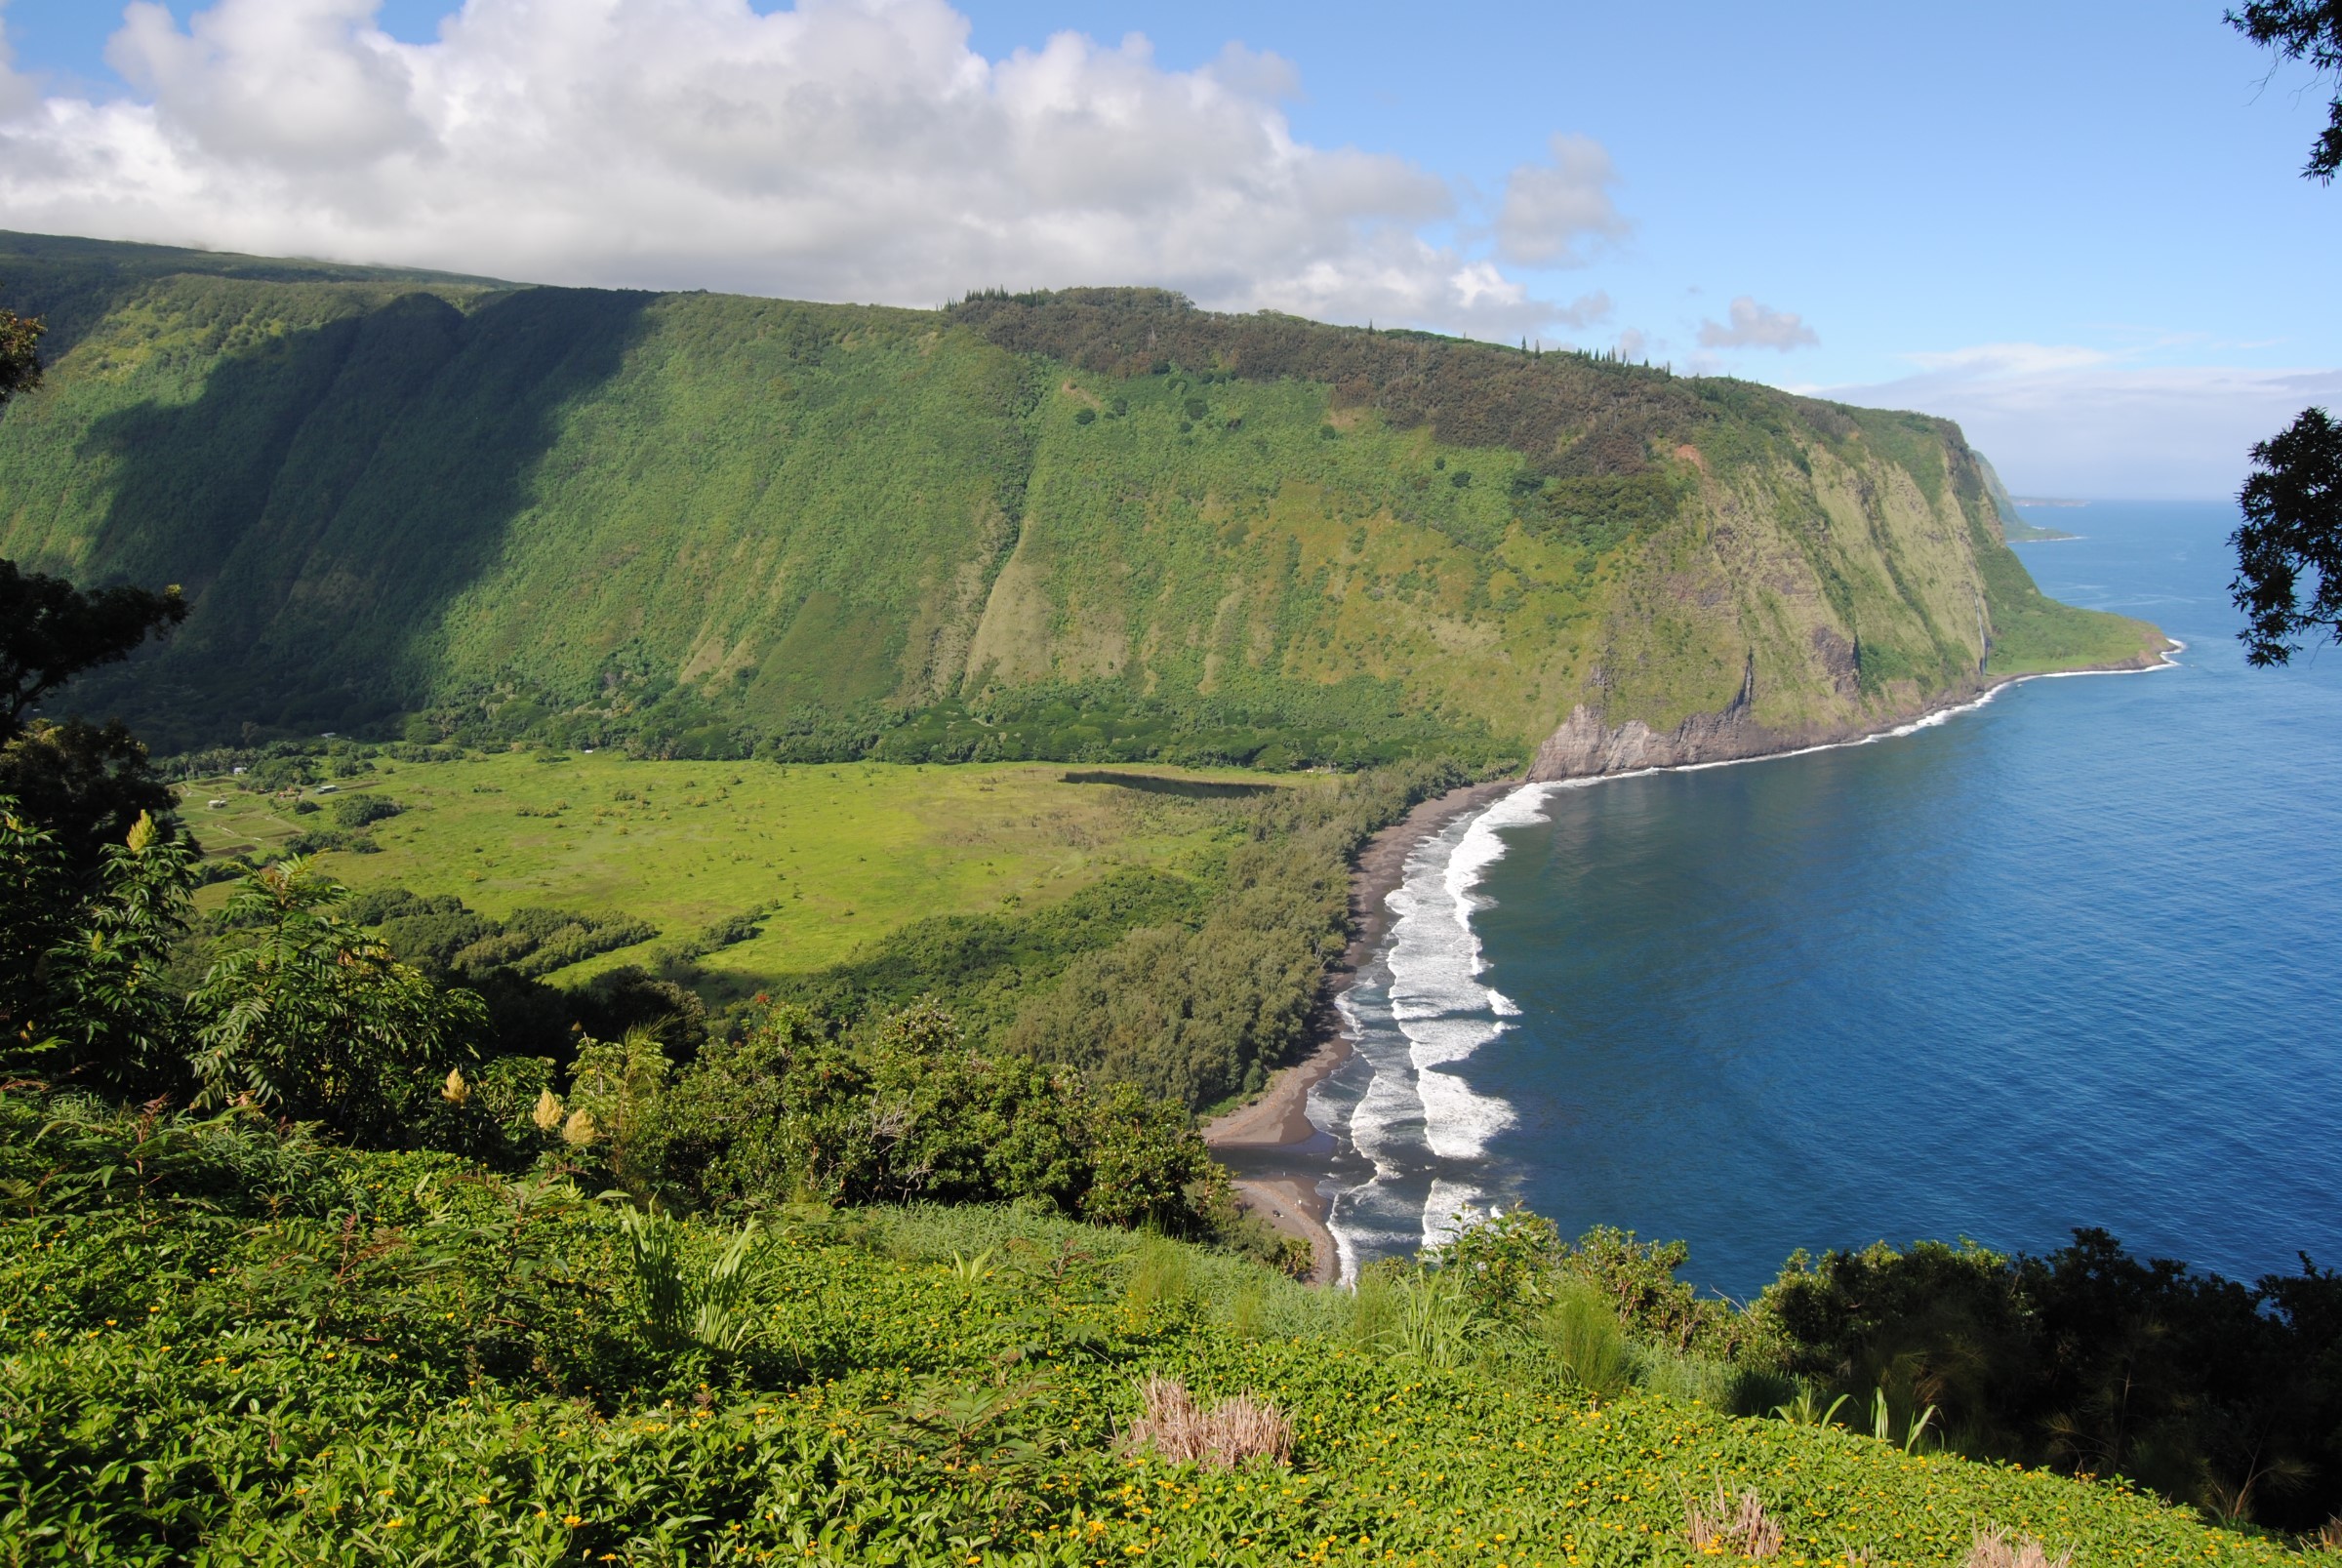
[2070, 958]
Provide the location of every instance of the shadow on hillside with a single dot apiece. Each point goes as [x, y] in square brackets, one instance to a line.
[330, 491]
[1155, 784]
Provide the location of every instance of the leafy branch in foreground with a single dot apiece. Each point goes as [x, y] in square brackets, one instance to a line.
[2292, 528]
[51, 631]
[312, 1018]
[2293, 502]
[2302, 30]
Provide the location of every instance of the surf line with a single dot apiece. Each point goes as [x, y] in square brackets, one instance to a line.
[1415, 1120]
[1412, 1121]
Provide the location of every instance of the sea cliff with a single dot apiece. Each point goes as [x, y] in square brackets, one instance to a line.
[1090, 523]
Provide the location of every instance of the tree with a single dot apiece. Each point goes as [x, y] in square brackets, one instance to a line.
[51, 631]
[87, 784]
[316, 1020]
[112, 1011]
[2293, 501]
[2292, 528]
[36, 907]
[85, 991]
[19, 360]
[2311, 30]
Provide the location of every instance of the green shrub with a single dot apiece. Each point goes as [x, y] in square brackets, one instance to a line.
[248, 1345]
[908, 1113]
[307, 1017]
[1582, 1333]
[364, 811]
[321, 840]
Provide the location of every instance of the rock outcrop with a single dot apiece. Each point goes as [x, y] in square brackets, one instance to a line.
[1586, 747]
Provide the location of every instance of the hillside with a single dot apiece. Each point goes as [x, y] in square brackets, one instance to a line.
[224, 1343]
[1095, 523]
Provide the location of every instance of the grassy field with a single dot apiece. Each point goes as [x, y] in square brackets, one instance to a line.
[834, 855]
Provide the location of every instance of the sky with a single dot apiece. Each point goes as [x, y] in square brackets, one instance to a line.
[2078, 228]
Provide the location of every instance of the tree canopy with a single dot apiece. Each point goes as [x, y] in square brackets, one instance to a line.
[20, 359]
[2292, 528]
[51, 631]
[2292, 503]
[2306, 30]
[85, 781]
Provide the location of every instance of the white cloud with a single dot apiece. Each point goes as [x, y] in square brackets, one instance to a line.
[1758, 326]
[1550, 209]
[846, 149]
[1634, 344]
[1586, 310]
[2075, 422]
[2018, 359]
[17, 94]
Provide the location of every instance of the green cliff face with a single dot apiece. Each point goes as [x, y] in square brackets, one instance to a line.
[714, 521]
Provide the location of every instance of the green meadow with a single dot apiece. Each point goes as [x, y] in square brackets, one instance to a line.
[825, 857]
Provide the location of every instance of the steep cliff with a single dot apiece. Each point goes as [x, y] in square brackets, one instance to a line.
[1087, 523]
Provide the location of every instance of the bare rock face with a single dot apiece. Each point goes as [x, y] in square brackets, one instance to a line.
[1838, 660]
[1586, 747]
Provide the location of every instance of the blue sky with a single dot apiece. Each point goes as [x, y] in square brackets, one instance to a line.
[2079, 229]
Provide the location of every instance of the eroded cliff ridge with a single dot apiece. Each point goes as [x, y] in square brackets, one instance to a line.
[1829, 577]
[1094, 522]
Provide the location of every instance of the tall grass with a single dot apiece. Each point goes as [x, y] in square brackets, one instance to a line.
[1702, 1380]
[1161, 1274]
[1234, 1432]
[1259, 1302]
[684, 1304]
[1432, 1319]
[1583, 1333]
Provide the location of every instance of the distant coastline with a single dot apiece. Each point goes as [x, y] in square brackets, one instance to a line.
[1275, 1154]
[2021, 533]
[2017, 531]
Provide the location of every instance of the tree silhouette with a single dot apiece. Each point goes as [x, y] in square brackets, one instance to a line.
[2292, 503]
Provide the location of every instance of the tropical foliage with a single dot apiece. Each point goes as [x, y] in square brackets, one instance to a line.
[2087, 1360]
[224, 1343]
[311, 1018]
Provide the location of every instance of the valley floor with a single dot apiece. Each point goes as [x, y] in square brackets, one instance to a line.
[825, 857]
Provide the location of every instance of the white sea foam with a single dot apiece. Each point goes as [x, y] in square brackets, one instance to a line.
[1443, 1211]
[1414, 1110]
[1386, 1111]
[1437, 996]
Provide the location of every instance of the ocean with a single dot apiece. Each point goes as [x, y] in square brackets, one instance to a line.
[2070, 957]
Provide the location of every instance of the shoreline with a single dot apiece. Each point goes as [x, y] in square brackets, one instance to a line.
[1272, 1136]
[1274, 1129]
